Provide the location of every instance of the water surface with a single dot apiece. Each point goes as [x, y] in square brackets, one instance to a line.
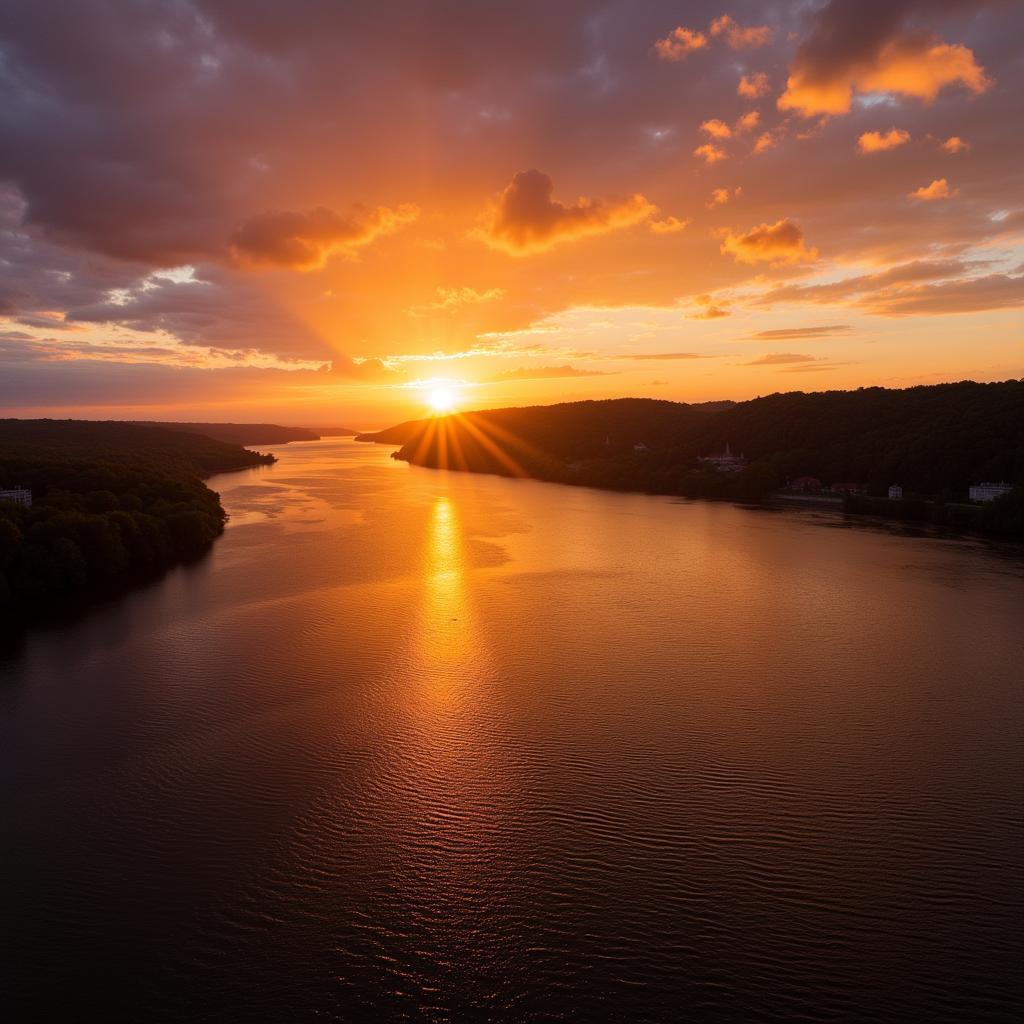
[413, 745]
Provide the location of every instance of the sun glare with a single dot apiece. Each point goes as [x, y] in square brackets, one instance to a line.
[442, 397]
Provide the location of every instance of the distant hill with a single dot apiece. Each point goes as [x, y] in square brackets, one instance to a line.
[239, 433]
[333, 431]
[934, 441]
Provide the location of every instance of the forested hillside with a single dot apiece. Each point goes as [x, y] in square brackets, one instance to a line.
[112, 503]
[934, 441]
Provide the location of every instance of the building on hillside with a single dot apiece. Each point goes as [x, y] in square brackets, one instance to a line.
[805, 484]
[895, 492]
[19, 495]
[725, 462]
[845, 488]
[988, 491]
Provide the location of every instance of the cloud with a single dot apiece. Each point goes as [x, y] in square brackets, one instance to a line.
[739, 37]
[780, 359]
[970, 295]
[748, 121]
[359, 369]
[720, 196]
[528, 220]
[680, 43]
[449, 300]
[544, 373]
[954, 144]
[716, 129]
[857, 47]
[876, 142]
[779, 243]
[710, 154]
[708, 310]
[669, 226]
[938, 189]
[799, 333]
[754, 86]
[765, 141]
[305, 241]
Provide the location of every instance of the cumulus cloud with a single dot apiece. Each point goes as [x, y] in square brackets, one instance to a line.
[778, 244]
[748, 121]
[527, 219]
[938, 189]
[954, 144]
[753, 86]
[710, 153]
[720, 196]
[716, 129]
[680, 43]
[741, 37]
[306, 240]
[765, 141]
[856, 47]
[877, 142]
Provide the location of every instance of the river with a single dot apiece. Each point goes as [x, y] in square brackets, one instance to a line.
[427, 746]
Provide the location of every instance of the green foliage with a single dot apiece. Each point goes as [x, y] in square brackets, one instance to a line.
[112, 504]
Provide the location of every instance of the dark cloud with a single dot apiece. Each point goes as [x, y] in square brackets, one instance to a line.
[304, 241]
[528, 219]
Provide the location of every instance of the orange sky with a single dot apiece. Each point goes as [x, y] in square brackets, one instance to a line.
[303, 212]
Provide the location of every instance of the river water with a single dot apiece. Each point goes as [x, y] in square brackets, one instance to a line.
[427, 746]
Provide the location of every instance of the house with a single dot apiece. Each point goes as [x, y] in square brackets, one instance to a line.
[725, 462]
[19, 495]
[807, 484]
[988, 491]
[848, 489]
[895, 492]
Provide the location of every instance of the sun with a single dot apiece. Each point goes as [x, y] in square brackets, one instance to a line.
[442, 398]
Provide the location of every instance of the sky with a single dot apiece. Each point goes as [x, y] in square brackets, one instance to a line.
[313, 212]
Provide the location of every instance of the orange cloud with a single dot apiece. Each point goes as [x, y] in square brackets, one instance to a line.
[720, 196]
[716, 129]
[876, 142]
[305, 241]
[938, 189]
[708, 310]
[741, 37]
[528, 220]
[710, 154]
[912, 64]
[669, 226]
[778, 244]
[748, 121]
[765, 141]
[954, 144]
[753, 86]
[680, 43]
[451, 299]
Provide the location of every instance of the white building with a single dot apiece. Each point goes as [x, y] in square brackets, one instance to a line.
[725, 462]
[895, 492]
[988, 491]
[19, 495]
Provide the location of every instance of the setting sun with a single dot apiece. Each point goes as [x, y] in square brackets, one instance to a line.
[442, 397]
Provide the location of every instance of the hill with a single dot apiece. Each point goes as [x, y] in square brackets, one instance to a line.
[239, 433]
[934, 441]
[113, 504]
